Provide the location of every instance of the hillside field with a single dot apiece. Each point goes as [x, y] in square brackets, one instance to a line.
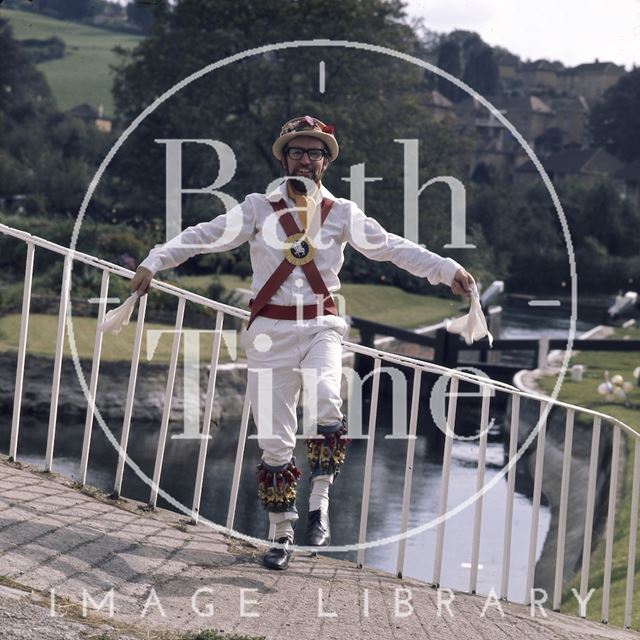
[84, 74]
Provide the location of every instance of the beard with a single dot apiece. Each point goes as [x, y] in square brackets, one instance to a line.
[310, 174]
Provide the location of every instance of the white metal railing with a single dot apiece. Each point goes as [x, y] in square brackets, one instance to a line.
[419, 368]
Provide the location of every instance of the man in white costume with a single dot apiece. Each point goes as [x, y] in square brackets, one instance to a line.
[297, 234]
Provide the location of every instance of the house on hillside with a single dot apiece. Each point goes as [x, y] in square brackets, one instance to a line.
[571, 116]
[492, 144]
[439, 107]
[590, 80]
[588, 166]
[93, 116]
[529, 114]
[540, 74]
[507, 69]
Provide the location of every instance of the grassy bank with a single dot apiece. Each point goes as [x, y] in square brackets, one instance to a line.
[376, 302]
[584, 393]
[43, 330]
[83, 74]
[383, 304]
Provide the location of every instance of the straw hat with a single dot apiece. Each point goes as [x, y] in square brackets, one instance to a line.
[306, 126]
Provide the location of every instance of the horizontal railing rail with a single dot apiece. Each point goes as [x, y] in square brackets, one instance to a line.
[520, 441]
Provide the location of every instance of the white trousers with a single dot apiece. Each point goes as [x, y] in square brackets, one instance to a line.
[286, 357]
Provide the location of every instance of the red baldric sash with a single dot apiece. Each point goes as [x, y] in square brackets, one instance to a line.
[260, 303]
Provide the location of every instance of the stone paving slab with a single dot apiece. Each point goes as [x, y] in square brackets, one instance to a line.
[161, 576]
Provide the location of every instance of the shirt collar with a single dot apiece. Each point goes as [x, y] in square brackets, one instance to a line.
[280, 193]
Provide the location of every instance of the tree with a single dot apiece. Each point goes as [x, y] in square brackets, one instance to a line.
[140, 15]
[69, 9]
[372, 100]
[43, 154]
[466, 56]
[481, 70]
[615, 120]
[450, 60]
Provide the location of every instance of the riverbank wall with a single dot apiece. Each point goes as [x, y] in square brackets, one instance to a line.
[527, 381]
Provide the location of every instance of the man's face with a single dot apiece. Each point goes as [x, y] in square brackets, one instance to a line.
[305, 167]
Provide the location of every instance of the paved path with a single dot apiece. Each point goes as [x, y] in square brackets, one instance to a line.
[54, 536]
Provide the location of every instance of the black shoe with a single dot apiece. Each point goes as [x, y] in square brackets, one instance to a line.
[318, 532]
[278, 557]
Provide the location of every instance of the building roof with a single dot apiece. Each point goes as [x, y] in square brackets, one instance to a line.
[522, 103]
[597, 66]
[540, 65]
[577, 161]
[569, 103]
[436, 99]
[85, 110]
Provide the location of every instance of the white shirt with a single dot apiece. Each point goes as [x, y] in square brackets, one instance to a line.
[255, 222]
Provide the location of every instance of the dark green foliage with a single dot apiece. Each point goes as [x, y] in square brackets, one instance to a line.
[481, 71]
[372, 99]
[68, 9]
[615, 119]
[529, 248]
[464, 55]
[141, 15]
[242, 269]
[44, 155]
[450, 60]
[43, 50]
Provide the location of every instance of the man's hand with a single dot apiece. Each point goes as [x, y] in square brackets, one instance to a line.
[462, 282]
[141, 281]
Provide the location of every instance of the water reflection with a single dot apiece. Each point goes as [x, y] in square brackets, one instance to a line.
[385, 501]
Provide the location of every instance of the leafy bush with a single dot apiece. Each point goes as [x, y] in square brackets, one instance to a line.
[43, 50]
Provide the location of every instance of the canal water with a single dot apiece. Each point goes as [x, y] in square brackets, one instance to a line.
[386, 494]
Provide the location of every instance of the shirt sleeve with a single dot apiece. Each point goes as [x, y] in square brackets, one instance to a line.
[368, 237]
[223, 233]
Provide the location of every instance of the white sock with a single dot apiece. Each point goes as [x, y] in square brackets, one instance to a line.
[319, 497]
[283, 522]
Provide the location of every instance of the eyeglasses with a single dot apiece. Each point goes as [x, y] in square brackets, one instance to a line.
[296, 153]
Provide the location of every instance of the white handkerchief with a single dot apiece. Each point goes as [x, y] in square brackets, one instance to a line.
[473, 326]
[120, 316]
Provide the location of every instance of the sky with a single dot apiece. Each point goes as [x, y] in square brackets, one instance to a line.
[572, 31]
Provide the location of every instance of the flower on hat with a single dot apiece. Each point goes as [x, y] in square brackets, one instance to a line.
[328, 128]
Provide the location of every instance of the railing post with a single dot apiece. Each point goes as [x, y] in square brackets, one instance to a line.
[477, 516]
[93, 384]
[408, 470]
[22, 350]
[206, 421]
[444, 484]
[368, 466]
[511, 483]
[166, 409]
[611, 515]
[535, 500]
[237, 467]
[57, 364]
[564, 495]
[128, 409]
[588, 517]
